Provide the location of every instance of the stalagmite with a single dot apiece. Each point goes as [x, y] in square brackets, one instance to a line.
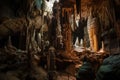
[81, 43]
[77, 44]
[92, 31]
[39, 39]
[102, 50]
[9, 41]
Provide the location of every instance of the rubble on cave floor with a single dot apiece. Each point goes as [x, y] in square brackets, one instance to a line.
[15, 65]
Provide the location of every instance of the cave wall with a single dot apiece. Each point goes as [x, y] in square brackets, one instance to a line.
[109, 19]
[13, 20]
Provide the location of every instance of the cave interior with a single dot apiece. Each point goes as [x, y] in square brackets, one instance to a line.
[59, 39]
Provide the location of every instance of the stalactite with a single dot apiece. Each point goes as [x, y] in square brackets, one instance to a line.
[43, 6]
[78, 6]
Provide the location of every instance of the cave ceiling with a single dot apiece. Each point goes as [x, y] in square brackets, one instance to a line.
[85, 5]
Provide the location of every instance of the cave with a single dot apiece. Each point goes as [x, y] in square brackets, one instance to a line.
[59, 39]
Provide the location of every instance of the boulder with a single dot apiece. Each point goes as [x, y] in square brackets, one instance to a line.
[110, 68]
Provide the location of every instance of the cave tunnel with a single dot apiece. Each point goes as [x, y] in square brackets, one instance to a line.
[59, 39]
